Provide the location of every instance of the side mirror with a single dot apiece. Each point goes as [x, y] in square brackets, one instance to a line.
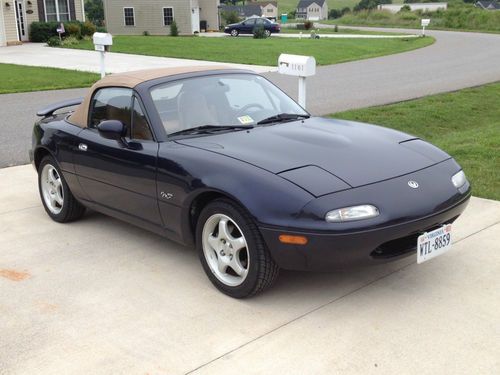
[112, 129]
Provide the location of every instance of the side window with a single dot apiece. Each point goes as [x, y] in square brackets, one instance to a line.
[111, 103]
[140, 127]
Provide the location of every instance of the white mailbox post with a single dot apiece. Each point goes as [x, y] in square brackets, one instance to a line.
[102, 41]
[298, 66]
[425, 22]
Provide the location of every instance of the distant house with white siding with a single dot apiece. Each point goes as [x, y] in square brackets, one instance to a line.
[424, 7]
[313, 10]
[488, 5]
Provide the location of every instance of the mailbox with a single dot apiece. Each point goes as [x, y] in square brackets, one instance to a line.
[102, 41]
[296, 65]
[425, 22]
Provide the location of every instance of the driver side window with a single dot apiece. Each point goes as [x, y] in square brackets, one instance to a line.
[112, 103]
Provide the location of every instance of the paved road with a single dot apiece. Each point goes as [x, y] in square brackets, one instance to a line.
[457, 60]
[125, 301]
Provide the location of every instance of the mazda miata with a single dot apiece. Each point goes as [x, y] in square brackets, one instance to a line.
[223, 160]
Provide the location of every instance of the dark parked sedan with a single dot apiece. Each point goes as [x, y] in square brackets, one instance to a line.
[225, 161]
[249, 25]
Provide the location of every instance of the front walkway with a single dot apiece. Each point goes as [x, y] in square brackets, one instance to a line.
[38, 54]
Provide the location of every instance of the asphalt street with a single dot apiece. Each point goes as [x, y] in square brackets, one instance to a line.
[457, 60]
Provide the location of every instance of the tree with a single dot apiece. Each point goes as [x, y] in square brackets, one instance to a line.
[94, 11]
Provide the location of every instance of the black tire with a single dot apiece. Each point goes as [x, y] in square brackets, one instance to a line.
[71, 209]
[267, 33]
[234, 32]
[262, 270]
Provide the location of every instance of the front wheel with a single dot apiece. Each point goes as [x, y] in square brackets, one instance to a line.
[234, 32]
[232, 251]
[56, 197]
[267, 33]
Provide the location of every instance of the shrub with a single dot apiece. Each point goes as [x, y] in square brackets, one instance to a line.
[145, 33]
[230, 17]
[259, 32]
[308, 25]
[174, 30]
[73, 29]
[292, 14]
[334, 14]
[41, 32]
[336, 29]
[70, 41]
[54, 41]
[101, 29]
[88, 28]
[405, 8]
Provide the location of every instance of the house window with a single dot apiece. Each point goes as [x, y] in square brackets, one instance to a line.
[128, 14]
[56, 10]
[168, 16]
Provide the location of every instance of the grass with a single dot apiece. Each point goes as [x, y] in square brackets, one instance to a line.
[21, 78]
[466, 124]
[285, 6]
[459, 16]
[247, 50]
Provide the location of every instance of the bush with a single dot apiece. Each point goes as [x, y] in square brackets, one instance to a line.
[405, 8]
[73, 29]
[336, 29]
[174, 30]
[101, 29]
[41, 32]
[70, 41]
[230, 17]
[54, 41]
[334, 14]
[145, 33]
[308, 25]
[292, 14]
[88, 28]
[259, 32]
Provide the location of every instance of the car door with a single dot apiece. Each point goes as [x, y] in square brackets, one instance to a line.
[247, 26]
[119, 175]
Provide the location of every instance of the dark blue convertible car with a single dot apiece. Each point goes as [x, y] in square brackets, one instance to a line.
[223, 160]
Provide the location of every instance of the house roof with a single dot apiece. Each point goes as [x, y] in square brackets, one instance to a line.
[306, 3]
[492, 5]
[131, 80]
[264, 3]
[244, 10]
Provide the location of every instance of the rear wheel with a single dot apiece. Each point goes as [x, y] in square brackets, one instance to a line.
[232, 251]
[234, 32]
[56, 197]
[267, 33]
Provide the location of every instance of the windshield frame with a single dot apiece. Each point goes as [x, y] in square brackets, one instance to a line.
[145, 89]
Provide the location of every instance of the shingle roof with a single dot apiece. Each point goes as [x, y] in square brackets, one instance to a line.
[493, 5]
[243, 10]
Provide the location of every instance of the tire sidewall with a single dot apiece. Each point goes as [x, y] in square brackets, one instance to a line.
[66, 192]
[228, 209]
[234, 33]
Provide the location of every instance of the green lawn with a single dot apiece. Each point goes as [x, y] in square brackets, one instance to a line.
[466, 124]
[21, 78]
[294, 30]
[247, 50]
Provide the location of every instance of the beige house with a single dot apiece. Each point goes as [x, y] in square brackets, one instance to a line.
[313, 10]
[134, 17]
[269, 9]
[17, 15]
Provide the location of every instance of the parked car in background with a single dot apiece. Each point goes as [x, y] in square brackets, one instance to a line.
[248, 26]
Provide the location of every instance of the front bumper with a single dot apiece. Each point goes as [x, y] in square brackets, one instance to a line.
[328, 251]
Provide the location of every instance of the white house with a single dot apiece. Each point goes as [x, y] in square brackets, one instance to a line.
[312, 10]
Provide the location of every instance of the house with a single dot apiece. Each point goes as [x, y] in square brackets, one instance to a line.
[135, 17]
[488, 5]
[244, 11]
[17, 15]
[312, 10]
[424, 7]
[269, 9]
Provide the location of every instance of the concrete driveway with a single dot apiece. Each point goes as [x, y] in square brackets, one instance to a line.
[99, 296]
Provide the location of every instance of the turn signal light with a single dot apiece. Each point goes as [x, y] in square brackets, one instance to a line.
[293, 240]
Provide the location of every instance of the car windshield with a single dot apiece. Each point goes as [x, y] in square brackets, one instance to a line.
[222, 100]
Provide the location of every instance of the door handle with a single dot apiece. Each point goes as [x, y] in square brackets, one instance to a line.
[82, 147]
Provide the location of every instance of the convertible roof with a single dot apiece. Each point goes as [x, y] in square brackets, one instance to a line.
[131, 80]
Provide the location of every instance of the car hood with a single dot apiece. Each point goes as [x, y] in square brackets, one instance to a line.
[323, 155]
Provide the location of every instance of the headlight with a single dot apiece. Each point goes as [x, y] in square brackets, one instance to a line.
[459, 179]
[365, 211]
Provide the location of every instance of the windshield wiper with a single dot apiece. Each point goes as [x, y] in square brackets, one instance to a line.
[209, 129]
[282, 117]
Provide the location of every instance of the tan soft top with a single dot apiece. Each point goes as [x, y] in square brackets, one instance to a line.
[131, 80]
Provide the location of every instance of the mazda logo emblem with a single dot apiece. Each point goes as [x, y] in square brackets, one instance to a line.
[413, 184]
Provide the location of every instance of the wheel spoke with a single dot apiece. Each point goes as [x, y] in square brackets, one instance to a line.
[224, 230]
[221, 265]
[238, 267]
[237, 243]
[58, 196]
[213, 242]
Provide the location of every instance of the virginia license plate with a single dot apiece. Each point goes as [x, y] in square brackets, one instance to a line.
[434, 243]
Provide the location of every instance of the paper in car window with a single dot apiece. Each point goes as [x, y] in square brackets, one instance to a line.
[245, 120]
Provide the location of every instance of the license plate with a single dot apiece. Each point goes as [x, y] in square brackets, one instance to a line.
[434, 243]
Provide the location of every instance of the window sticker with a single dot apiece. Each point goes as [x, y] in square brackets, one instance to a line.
[245, 120]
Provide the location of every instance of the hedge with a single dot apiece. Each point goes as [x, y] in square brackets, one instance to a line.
[41, 32]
